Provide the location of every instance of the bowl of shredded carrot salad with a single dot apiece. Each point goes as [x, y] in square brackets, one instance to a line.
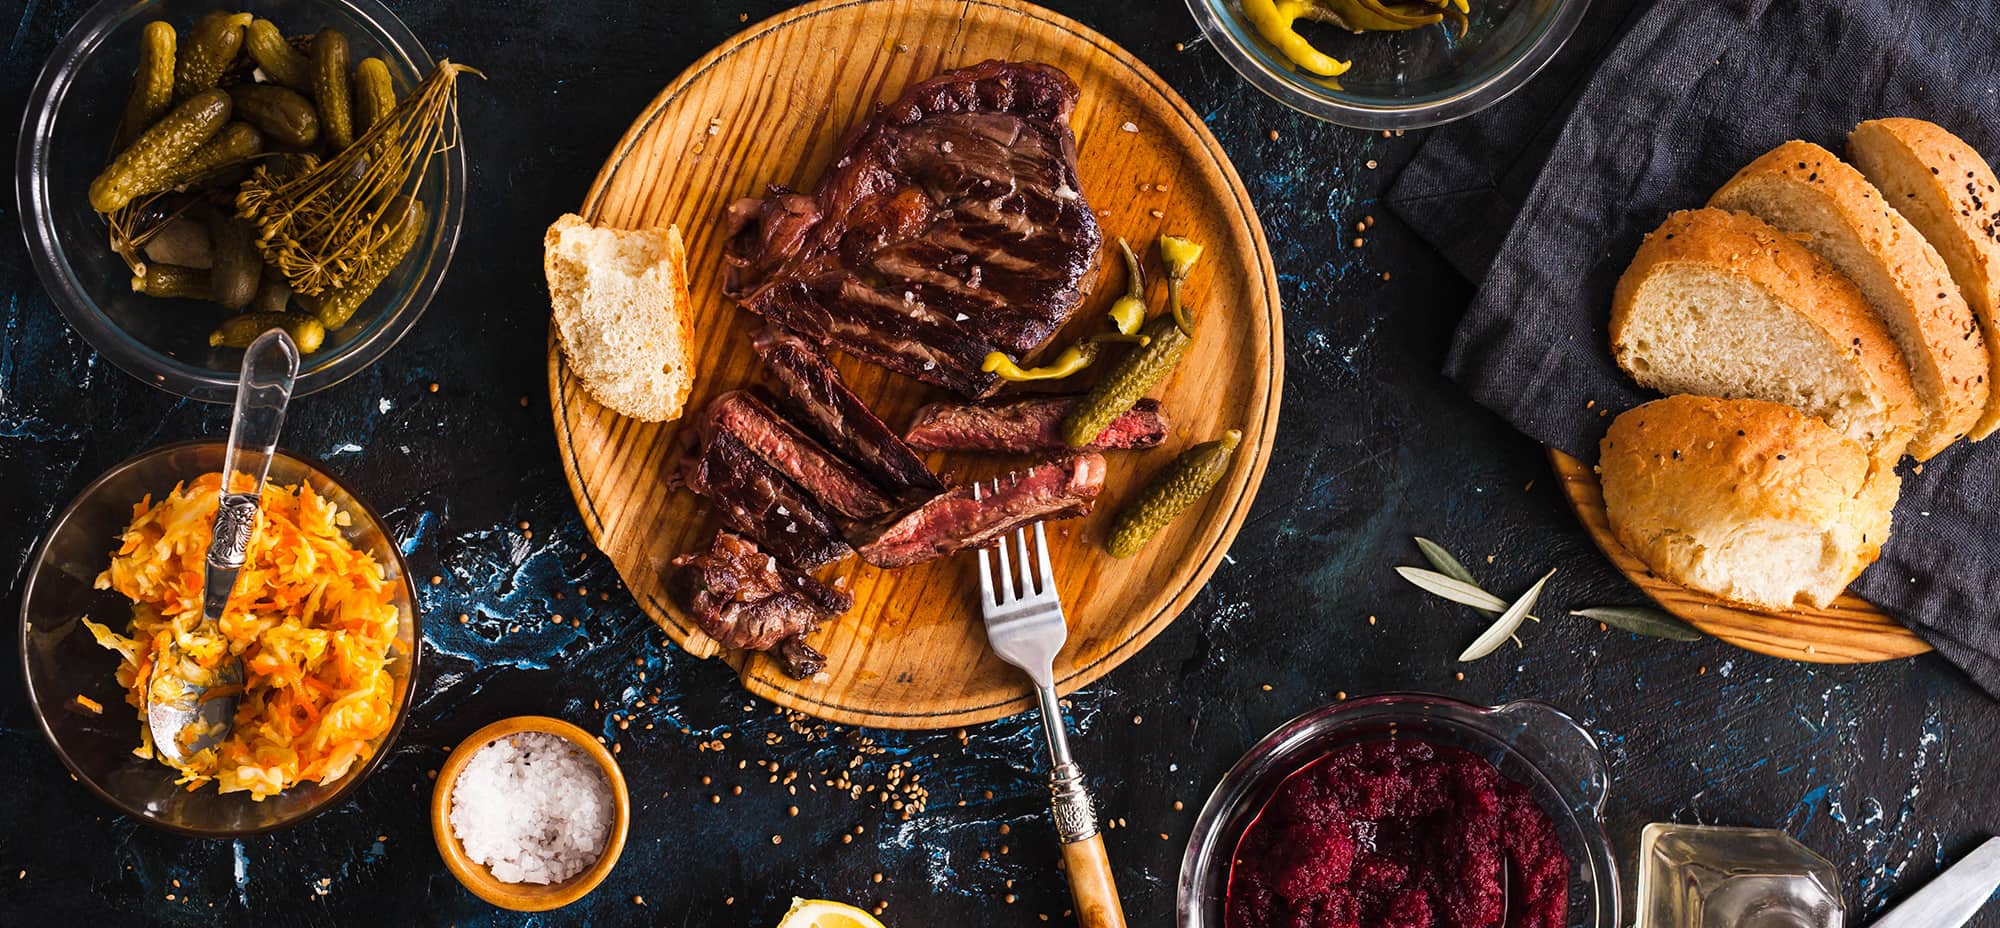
[321, 618]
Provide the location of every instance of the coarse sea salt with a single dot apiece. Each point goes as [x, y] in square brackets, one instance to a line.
[531, 808]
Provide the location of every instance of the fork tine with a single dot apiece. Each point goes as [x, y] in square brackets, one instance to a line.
[1042, 556]
[1029, 582]
[986, 599]
[1006, 570]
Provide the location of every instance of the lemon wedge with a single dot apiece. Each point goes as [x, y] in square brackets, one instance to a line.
[825, 913]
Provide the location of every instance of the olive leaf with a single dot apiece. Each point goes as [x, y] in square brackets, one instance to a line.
[1458, 591]
[1510, 621]
[1450, 567]
[1643, 620]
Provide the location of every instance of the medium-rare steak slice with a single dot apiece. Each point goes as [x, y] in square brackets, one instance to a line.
[745, 599]
[834, 483]
[1028, 425]
[816, 395]
[756, 500]
[950, 225]
[955, 520]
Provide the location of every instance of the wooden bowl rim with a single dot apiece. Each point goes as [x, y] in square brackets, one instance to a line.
[527, 897]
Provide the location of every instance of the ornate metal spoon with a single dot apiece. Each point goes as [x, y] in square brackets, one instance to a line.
[191, 697]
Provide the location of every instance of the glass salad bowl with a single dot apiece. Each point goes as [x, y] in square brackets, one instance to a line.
[1531, 743]
[64, 665]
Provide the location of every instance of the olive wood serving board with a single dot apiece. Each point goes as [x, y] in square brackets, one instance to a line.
[1850, 631]
[769, 106]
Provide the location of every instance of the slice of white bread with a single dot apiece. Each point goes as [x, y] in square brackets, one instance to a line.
[1945, 189]
[1753, 502]
[623, 315]
[1721, 304]
[1809, 193]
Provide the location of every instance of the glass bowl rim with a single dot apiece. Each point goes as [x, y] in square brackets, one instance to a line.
[352, 780]
[1232, 791]
[1468, 98]
[159, 370]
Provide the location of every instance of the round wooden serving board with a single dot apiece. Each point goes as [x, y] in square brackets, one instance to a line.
[769, 106]
[1851, 631]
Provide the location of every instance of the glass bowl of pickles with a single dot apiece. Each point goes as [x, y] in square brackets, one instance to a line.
[191, 173]
[1387, 64]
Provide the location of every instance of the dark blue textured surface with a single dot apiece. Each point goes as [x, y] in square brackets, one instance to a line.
[1886, 769]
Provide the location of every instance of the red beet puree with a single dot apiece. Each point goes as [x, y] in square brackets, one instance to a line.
[1398, 834]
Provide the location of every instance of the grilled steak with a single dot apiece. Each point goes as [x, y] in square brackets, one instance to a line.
[1028, 425]
[745, 599]
[756, 500]
[816, 395]
[955, 521]
[834, 483]
[951, 225]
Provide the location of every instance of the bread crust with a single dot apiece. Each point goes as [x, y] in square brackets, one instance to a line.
[678, 312]
[1684, 473]
[1742, 245]
[1947, 337]
[1925, 171]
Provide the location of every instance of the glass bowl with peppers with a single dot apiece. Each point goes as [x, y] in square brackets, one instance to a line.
[1387, 64]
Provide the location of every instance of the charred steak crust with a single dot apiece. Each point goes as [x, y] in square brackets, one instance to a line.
[1028, 425]
[955, 521]
[816, 394]
[756, 500]
[952, 224]
[832, 482]
[744, 599]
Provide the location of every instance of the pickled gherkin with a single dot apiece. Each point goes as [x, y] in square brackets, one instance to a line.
[235, 267]
[235, 145]
[1139, 372]
[374, 94]
[1171, 492]
[240, 330]
[152, 83]
[282, 115]
[148, 164]
[172, 281]
[330, 88]
[209, 52]
[276, 57]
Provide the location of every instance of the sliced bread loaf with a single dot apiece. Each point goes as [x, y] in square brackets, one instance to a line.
[623, 315]
[1749, 501]
[1945, 189]
[1721, 304]
[1807, 192]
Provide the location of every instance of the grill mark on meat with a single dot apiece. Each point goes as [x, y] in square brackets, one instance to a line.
[756, 500]
[832, 482]
[1028, 425]
[744, 599]
[815, 393]
[954, 521]
[950, 226]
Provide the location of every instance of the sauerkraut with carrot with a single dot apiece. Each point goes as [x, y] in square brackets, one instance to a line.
[313, 619]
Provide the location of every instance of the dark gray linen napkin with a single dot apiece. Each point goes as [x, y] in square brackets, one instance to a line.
[1544, 198]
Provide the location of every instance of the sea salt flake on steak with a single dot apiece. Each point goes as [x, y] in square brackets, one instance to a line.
[951, 226]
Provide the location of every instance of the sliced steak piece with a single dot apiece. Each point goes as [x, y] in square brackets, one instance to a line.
[744, 599]
[955, 521]
[756, 500]
[952, 224]
[1028, 425]
[834, 483]
[815, 394]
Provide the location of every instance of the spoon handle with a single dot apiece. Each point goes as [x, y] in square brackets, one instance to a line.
[270, 367]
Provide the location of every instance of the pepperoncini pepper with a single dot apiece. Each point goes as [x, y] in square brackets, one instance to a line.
[1274, 19]
[1128, 313]
[1072, 359]
[1179, 255]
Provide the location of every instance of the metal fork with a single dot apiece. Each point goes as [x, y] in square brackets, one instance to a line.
[1025, 626]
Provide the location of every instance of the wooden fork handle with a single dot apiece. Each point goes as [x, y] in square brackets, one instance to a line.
[1091, 885]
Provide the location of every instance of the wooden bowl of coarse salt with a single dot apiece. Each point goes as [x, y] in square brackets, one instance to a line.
[530, 813]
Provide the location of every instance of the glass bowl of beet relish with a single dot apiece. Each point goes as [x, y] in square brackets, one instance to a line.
[1408, 810]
